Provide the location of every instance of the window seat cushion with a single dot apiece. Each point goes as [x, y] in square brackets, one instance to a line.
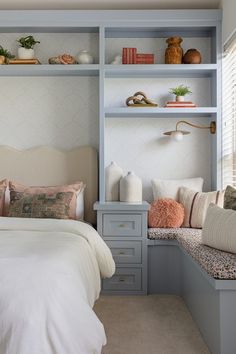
[218, 264]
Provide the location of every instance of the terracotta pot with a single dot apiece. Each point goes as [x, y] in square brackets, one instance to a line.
[174, 51]
[192, 56]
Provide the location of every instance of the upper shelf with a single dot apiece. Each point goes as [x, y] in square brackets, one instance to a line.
[49, 70]
[161, 70]
[152, 112]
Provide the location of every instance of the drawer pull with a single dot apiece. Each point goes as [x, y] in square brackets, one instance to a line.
[121, 280]
[121, 252]
[122, 225]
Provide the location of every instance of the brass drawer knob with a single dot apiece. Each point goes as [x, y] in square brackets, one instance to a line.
[121, 252]
[122, 225]
[121, 280]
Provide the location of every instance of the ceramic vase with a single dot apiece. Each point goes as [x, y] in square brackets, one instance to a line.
[192, 56]
[174, 51]
[131, 188]
[84, 57]
[113, 174]
[24, 53]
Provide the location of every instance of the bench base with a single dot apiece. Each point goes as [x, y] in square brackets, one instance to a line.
[211, 302]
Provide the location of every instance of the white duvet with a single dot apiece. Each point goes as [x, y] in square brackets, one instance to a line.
[49, 280]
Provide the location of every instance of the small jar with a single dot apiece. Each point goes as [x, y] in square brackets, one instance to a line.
[85, 57]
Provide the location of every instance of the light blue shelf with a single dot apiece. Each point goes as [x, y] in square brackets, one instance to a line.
[152, 112]
[49, 70]
[160, 70]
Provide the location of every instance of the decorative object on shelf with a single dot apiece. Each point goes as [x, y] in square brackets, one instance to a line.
[65, 59]
[129, 55]
[117, 60]
[144, 59]
[23, 61]
[180, 92]
[26, 49]
[174, 51]
[139, 99]
[192, 56]
[165, 213]
[5, 55]
[179, 104]
[177, 134]
[131, 188]
[113, 174]
[85, 57]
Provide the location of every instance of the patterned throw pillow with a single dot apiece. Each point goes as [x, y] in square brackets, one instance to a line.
[20, 190]
[230, 198]
[165, 213]
[196, 205]
[54, 206]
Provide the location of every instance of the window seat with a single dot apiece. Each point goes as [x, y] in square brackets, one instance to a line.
[218, 264]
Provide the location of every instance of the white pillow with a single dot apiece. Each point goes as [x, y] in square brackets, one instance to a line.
[219, 229]
[196, 204]
[169, 188]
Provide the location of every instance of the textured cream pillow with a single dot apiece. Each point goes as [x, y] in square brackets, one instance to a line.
[195, 205]
[219, 229]
[169, 188]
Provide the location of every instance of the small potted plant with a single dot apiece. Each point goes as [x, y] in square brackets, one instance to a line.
[26, 49]
[180, 92]
[5, 55]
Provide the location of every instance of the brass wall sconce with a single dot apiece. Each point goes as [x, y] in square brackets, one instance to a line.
[178, 134]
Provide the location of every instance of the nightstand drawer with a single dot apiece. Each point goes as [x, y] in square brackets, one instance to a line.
[126, 251]
[124, 279]
[122, 225]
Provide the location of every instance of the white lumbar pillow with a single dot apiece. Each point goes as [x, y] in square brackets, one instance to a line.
[169, 188]
[219, 229]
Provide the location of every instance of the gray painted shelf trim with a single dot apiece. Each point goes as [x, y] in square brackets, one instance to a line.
[152, 112]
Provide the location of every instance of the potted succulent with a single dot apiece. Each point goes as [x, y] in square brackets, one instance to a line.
[180, 92]
[5, 55]
[26, 49]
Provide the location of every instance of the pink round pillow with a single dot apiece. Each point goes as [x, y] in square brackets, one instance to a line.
[166, 213]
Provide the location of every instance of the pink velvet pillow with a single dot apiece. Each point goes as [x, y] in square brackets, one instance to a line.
[166, 213]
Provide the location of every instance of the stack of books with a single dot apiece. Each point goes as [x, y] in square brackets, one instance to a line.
[23, 61]
[130, 56]
[177, 104]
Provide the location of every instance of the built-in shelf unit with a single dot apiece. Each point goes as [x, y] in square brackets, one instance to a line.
[110, 31]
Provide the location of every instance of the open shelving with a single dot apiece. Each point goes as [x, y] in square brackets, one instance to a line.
[105, 33]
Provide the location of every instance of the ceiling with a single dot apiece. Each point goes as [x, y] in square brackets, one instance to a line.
[107, 4]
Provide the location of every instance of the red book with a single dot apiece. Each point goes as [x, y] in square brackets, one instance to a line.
[144, 58]
[129, 55]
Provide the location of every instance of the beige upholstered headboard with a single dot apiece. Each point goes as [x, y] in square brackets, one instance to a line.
[45, 166]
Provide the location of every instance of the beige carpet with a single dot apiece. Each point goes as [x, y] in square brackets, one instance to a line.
[154, 324]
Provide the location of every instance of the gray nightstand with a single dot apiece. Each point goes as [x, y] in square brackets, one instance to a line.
[123, 227]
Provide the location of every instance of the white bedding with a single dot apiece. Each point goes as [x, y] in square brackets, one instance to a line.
[49, 280]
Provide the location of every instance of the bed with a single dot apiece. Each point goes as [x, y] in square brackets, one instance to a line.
[50, 269]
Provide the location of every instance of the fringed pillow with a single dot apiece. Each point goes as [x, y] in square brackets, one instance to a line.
[166, 213]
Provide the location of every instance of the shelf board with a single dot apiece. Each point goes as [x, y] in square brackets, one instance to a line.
[160, 70]
[49, 70]
[150, 112]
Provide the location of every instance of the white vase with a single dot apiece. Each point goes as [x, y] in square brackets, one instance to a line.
[113, 174]
[24, 53]
[84, 57]
[179, 98]
[131, 189]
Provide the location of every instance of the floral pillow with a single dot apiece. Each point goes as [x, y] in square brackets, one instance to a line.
[54, 205]
[44, 202]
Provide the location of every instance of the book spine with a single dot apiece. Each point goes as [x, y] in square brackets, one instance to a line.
[186, 106]
[124, 56]
[129, 55]
[145, 59]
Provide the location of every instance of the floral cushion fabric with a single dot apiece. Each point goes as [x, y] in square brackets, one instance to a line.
[218, 264]
[54, 206]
